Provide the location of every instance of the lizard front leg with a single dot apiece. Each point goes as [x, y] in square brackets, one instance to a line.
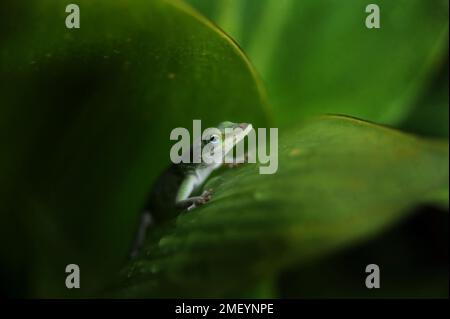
[195, 201]
[183, 201]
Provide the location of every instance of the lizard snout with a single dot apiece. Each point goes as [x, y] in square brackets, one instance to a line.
[243, 125]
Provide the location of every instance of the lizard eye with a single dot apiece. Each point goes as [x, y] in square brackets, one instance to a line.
[214, 139]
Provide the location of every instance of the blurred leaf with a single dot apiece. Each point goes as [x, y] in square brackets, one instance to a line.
[318, 56]
[85, 118]
[413, 257]
[340, 180]
[429, 115]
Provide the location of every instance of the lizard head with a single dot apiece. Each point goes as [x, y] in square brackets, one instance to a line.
[226, 135]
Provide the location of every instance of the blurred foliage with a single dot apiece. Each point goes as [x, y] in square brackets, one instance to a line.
[85, 117]
[429, 115]
[340, 180]
[413, 257]
[318, 56]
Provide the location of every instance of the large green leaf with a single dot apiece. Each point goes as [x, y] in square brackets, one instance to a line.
[85, 118]
[317, 56]
[429, 115]
[340, 180]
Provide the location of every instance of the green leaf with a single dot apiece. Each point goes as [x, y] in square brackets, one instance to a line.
[340, 180]
[429, 115]
[85, 117]
[318, 56]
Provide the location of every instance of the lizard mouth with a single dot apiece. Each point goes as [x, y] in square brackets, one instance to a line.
[246, 128]
[243, 125]
[237, 136]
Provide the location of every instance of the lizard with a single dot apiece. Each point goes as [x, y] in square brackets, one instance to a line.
[178, 186]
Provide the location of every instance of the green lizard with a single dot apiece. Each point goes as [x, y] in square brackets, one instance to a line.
[174, 188]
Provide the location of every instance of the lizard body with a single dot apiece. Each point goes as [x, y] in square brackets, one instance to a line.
[178, 186]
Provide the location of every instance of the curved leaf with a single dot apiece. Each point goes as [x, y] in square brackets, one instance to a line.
[340, 180]
[86, 115]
